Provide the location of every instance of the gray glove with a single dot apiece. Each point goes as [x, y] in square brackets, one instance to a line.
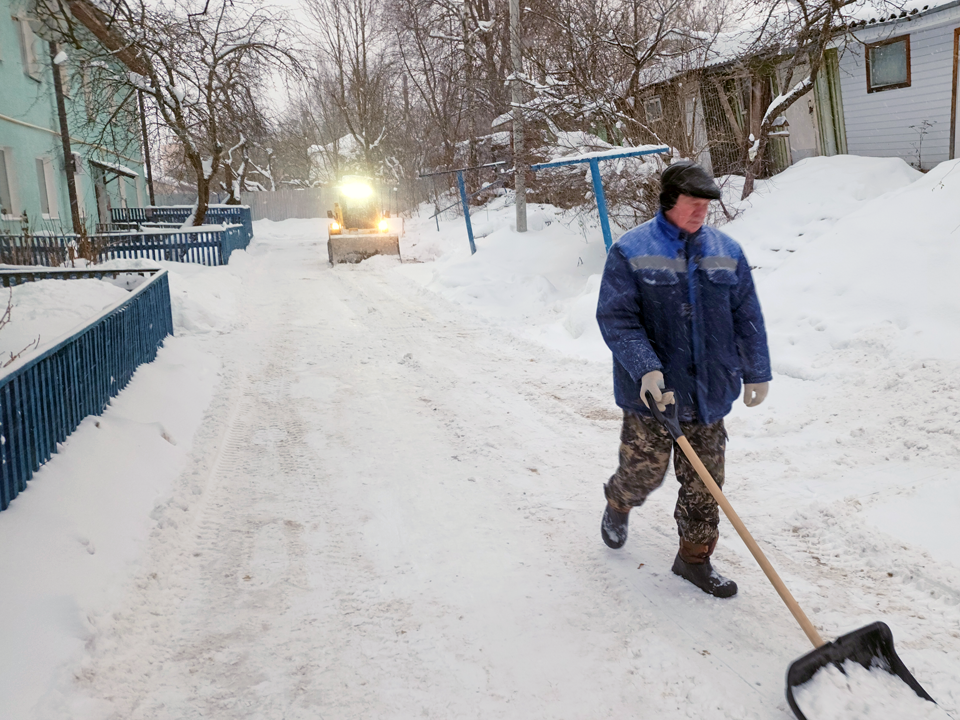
[754, 393]
[653, 381]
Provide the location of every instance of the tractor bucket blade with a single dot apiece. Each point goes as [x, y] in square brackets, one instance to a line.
[871, 646]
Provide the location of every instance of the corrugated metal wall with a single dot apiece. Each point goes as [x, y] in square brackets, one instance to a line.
[889, 123]
[279, 205]
[285, 204]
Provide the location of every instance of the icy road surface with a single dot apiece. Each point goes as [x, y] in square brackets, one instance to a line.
[392, 511]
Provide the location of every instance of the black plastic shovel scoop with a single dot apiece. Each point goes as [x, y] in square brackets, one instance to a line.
[870, 646]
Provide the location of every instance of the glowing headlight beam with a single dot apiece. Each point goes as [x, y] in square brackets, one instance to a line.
[356, 190]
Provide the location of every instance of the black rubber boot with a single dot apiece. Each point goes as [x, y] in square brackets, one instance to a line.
[613, 527]
[705, 577]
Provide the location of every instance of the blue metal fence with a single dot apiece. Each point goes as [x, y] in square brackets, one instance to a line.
[207, 247]
[45, 399]
[128, 278]
[216, 215]
[212, 246]
[51, 250]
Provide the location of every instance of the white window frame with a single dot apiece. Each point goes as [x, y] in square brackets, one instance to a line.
[28, 49]
[652, 102]
[7, 168]
[47, 184]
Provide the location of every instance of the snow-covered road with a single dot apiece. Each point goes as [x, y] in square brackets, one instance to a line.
[391, 510]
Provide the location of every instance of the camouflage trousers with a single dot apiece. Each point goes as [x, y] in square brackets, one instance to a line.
[645, 447]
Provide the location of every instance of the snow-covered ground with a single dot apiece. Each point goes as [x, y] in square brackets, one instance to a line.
[375, 491]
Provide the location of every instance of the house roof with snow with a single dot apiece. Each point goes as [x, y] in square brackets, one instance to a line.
[744, 37]
[918, 13]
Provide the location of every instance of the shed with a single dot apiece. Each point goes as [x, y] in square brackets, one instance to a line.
[898, 84]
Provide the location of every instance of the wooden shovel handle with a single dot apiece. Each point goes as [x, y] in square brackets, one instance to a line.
[751, 544]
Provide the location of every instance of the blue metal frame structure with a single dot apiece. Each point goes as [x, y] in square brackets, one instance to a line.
[598, 180]
[463, 195]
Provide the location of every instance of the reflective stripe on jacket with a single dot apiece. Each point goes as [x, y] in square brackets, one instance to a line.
[684, 304]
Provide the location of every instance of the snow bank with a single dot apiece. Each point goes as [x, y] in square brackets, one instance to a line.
[74, 536]
[878, 240]
[794, 208]
[881, 274]
[49, 310]
[542, 285]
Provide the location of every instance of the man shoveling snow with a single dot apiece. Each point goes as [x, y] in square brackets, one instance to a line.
[678, 305]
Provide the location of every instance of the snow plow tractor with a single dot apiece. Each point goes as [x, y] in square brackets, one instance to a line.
[358, 228]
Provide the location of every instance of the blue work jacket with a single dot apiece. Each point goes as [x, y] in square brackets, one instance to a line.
[684, 304]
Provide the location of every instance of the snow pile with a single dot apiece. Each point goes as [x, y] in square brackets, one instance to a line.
[855, 693]
[79, 528]
[794, 208]
[543, 284]
[883, 274]
[879, 246]
[50, 310]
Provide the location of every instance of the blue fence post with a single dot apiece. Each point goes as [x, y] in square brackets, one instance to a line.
[466, 210]
[598, 181]
[601, 202]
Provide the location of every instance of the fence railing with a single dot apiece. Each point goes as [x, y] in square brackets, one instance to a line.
[207, 246]
[216, 215]
[49, 250]
[127, 278]
[44, 399]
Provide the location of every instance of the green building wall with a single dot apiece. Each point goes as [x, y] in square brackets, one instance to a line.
[31, 151]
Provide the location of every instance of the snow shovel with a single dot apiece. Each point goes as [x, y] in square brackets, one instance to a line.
[870, 646]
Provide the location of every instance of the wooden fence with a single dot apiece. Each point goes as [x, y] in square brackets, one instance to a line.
[44, 400]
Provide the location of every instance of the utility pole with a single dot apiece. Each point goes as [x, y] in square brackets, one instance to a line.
[516, 96]
[65, 141]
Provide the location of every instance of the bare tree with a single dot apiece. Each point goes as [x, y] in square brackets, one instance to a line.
[785, 49]
[353, 78]
[197, 64]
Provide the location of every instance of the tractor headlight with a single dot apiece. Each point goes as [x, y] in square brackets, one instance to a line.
[335, 227]
[383, 225]
[356, 190]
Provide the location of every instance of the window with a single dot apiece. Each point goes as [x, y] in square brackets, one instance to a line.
[46, 182]
[8, 210]
[88, 83]
[28, 48]
[888, 64]
[653, 108]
